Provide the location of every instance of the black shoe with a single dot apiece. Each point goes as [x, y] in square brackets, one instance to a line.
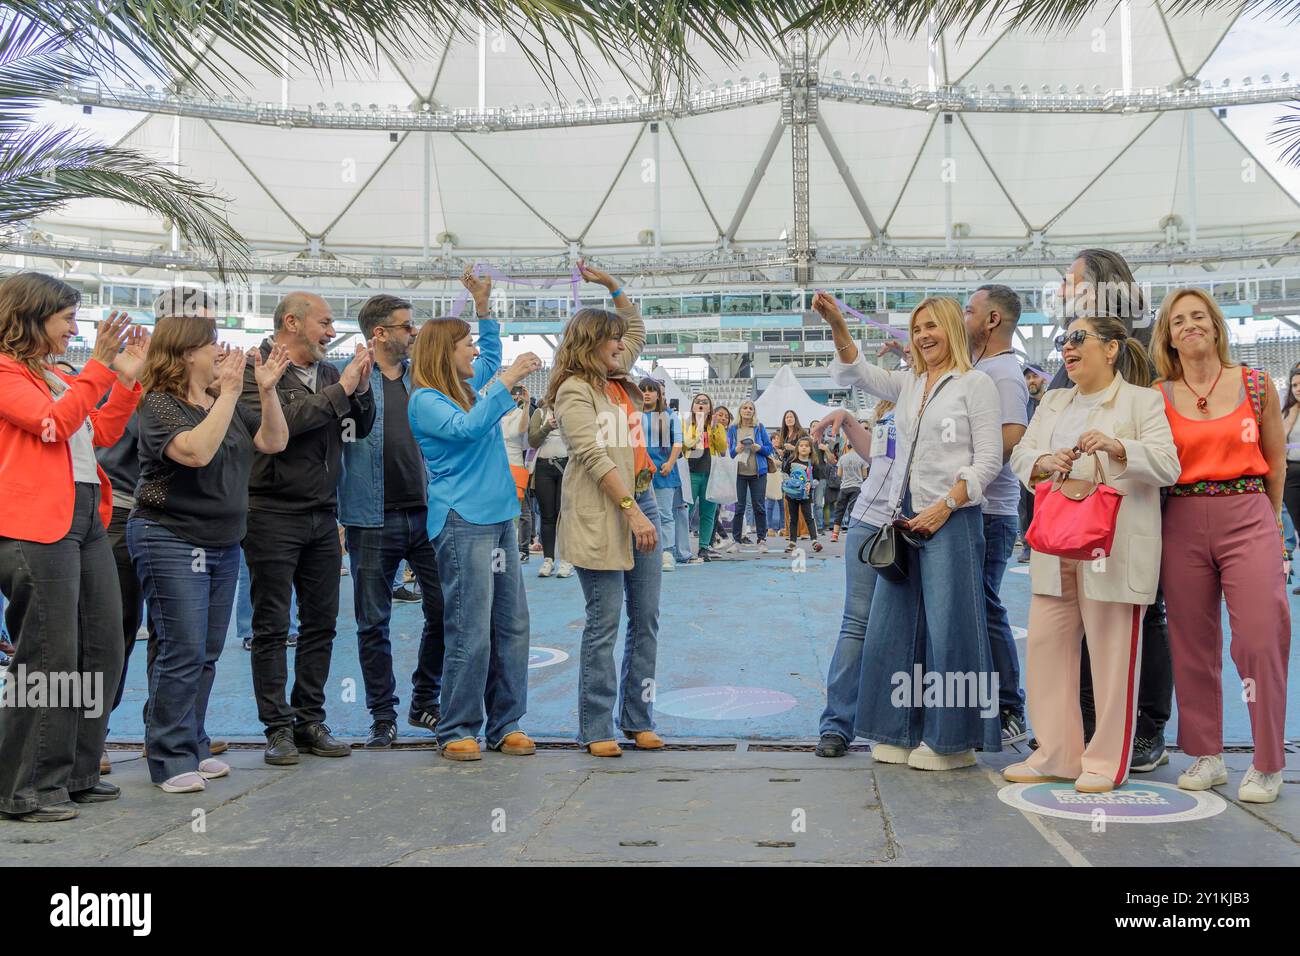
[832, 745]
[424, 719]
[55, 813]
[383, 734]
[316, 739]
[704, 554]
[1024, 556]
[1013, 728]
[280, 750]
[248, 643]
[745, 539]
[1148, 753]
[292, 641]
[405, 596]
[100, 793]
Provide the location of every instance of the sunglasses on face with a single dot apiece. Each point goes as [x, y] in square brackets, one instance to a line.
[1075, 338]
[409, 326]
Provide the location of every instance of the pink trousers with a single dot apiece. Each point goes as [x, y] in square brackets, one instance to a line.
[1216, 549]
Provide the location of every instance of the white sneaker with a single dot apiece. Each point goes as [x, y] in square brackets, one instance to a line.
[762, 546]
[1204, 773]
[670, 564]
[566, 569]
[888, 753]
[212, 768]
[184, 783]
[1259, 787]
[923, 758]
[545, 570]
[726, 547]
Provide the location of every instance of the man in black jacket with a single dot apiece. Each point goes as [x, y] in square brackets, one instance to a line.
[292, 540]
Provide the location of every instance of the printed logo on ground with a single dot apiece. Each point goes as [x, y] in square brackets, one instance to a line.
[723, 702]
[1131, 803]
[545, 656]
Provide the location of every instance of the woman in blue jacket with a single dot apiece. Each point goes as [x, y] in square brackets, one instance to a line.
[749, 443]
[473, 505]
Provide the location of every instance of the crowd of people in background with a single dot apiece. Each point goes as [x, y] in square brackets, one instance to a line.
[172, 478]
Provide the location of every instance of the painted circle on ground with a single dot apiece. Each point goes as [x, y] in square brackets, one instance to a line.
[1019, 633]
[723, 702]
[1019, 569]
[1131, 803]
[545, 656]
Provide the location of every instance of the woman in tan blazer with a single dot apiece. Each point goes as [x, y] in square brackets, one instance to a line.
[1112, 413]
[608, 517]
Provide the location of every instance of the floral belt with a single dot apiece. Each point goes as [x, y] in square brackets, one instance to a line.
[1245, 485]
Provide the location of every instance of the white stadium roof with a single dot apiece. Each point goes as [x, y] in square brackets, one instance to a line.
[1118, 174]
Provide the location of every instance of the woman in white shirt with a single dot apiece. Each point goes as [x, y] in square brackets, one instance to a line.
[1113, 414]
[928, 695]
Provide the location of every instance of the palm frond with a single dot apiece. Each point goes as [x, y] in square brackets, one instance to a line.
[34, 65]
[43, 168]
[1286, 134]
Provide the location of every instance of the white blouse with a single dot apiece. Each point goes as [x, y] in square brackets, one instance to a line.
[961, 430]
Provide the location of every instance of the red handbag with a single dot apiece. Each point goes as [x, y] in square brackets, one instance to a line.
[1075, 518]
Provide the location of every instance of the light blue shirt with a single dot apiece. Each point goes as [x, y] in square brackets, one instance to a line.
[468, 468]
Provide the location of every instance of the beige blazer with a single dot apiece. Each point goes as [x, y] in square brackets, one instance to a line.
[1135, 416]
[592, 531]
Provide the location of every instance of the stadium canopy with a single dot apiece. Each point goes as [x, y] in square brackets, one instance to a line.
[980, 152]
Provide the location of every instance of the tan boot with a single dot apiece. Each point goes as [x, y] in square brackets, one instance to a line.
[1023, 773]
[1094, 783]
[105, 765]
[646, 740]
[517, 744]
[217, 747]
[604, 748]
[464, 749]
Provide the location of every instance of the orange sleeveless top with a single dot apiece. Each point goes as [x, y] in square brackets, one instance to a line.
[1217, 449]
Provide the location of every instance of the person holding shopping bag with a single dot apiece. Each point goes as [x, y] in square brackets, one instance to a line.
[1110, 427]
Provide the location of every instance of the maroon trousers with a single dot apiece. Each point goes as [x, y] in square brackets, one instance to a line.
[1226, 548]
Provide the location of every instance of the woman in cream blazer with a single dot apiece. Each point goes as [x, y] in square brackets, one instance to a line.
[608, 517]
[1110, 412]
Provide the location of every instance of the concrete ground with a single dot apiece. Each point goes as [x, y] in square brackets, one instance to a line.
[744, 648]
[410, 807]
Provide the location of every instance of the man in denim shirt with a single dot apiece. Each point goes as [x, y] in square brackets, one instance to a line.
[383, 509]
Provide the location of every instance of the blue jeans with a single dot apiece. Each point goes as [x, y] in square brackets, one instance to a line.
[775, 509]
[846, 663]
[1000, 533]
[244, 606]
[933, 622]
[485, 667]
[190, 591]
[671, 522]
[598, 685]
[374, 555]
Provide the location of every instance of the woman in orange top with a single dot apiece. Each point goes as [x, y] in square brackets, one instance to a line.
[56, 563]
[608, 516]
[1222, 542]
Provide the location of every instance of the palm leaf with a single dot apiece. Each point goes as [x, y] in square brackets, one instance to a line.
[34, 65]
[43, 168]
[1286, 135]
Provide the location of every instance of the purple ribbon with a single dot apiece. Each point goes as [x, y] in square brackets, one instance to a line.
[496, 275]
[887, 329]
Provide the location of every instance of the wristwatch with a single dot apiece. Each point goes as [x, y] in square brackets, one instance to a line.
[626, 502]
[951, 503]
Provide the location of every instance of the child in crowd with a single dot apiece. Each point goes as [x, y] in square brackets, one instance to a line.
[852, 471]
[798, 488]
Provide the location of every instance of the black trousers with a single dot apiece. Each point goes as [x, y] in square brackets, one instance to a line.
[755, 486]
[844, 502]
[795, 507]
[287, 552]
[547, 480]
[1291, 493]
[133, 609]
[65, 618]
[1155, 683]
[1026, 510]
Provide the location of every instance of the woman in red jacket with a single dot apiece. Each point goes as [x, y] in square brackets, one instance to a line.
[56, 564]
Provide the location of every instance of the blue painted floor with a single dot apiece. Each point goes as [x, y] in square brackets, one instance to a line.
[750, 623]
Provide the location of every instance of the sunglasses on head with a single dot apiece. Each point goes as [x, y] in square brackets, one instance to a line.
[1075, 338]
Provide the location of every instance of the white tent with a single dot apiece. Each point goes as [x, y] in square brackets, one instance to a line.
[784, 393]
[671, 390]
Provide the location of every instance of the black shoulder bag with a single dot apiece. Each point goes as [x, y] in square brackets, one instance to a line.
[889, 550]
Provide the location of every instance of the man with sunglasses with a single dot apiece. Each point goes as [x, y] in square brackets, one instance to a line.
[383, 510]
